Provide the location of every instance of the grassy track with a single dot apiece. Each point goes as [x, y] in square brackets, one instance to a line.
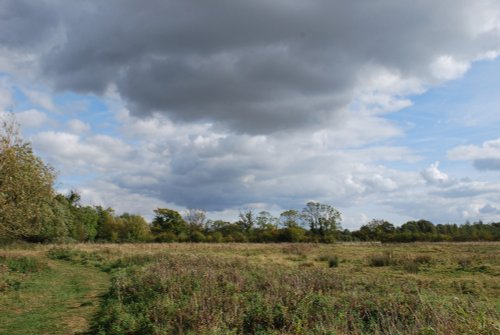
[59, 300]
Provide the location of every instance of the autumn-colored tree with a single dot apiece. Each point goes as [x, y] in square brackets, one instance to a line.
[25, 184]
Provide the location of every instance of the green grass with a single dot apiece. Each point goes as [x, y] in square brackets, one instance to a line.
[422, 288]
[61, 299]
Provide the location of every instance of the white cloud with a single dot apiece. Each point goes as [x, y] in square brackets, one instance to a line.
[448, 68]
[106, 194]
[78, 126]
[484, 157]
[31, 118]
[434, 176]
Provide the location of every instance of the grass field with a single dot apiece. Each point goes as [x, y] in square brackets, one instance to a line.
[433, 288]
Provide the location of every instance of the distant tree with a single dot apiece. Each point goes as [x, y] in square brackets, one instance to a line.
[323, 220]
[292, 234]
[375, 230]
[26, 191]
[265, 220]
[420, 226]
[169, 220]
[135, 228]
[247, 219]
[86, 222]
[110, 228]
[195, 218]
[290, 218]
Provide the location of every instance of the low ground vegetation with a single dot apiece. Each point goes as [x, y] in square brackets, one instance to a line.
[349, 288]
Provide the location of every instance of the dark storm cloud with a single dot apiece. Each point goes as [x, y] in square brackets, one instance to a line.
[24, 24]
[256, 66]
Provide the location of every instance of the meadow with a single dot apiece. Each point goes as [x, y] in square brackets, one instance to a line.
[187, 288]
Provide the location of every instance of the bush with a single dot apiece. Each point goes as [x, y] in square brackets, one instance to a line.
[333, 261]
[384, 259]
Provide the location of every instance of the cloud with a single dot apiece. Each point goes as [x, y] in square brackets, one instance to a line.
[78, 126]
[41, 99]
[488, 209]
[255, 67]
[237, 103]
[484, 157]
[447, 68]
[6, 100]
[21, 17]
[31, 118]
[100, 153]
[434, 176]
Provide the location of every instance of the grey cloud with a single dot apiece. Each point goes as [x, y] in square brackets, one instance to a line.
[255, 66]
[25, 24]
[484, 157]
[468, 190]
[487, 164]
[489, 209]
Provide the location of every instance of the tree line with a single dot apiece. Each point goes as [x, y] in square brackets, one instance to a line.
[31, 210]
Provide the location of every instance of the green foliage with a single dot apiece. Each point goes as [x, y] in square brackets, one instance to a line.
[290, 218]
[135, 228]
[247, 220]
[292, 234]
[322, 219]
[169, 220]
[25, 185]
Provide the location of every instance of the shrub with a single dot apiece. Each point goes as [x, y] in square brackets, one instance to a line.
[333, 261]
[384, 259]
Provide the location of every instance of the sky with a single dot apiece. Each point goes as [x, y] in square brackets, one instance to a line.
[384, 109]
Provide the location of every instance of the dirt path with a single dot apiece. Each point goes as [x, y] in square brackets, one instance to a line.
[61, 300]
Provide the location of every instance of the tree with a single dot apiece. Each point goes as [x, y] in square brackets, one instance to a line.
[110, 228]
[135, 228]
[247, 219]
[25, 185]
[420, 226]
[195, 218]
[376, 230]
[290, 218]
[265, 220]
[322, 219]
[167, 220]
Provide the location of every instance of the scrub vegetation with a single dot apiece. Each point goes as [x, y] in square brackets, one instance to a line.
[185, 288]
